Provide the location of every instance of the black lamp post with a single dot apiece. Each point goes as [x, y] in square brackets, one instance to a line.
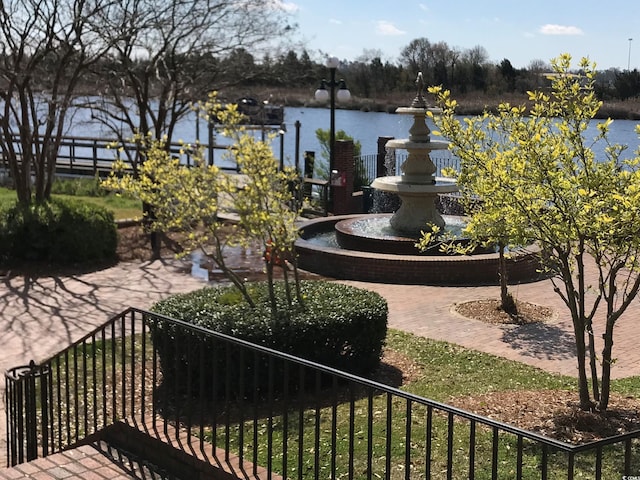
[281, 132]
[342, 95]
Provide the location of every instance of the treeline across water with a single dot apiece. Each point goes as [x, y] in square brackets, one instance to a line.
[140, 67]
[290, 78]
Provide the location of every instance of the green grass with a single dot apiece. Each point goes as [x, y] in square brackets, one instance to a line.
[7, 196]
[447, 371]
[122, 207]
[453, 371]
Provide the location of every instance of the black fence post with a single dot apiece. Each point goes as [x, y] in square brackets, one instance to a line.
[26, 395]
[210, 141]
[297, 155]
[309, 162]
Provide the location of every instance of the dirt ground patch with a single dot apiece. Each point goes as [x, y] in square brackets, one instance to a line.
[489, 311]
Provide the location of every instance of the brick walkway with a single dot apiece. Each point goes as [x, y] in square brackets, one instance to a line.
[89, 462]
[42, 315]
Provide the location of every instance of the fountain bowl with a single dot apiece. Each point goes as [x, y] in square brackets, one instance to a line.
[523, 265]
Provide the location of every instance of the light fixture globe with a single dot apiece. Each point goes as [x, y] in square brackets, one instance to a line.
[332, 62]
[322, 94]
[343, 94]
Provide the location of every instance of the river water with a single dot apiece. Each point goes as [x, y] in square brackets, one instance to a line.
[365, 127]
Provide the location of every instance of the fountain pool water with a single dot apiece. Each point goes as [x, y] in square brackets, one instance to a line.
[381, 248]
[318, 252]
[375, 234]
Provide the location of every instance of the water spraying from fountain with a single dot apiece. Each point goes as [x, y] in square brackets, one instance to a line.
[417, 186]
[381, 247]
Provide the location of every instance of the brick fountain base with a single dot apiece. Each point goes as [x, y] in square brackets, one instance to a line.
[479, 269]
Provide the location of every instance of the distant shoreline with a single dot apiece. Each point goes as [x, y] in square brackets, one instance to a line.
[470, 104]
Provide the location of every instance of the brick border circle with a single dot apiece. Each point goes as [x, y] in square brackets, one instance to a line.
[522, 266]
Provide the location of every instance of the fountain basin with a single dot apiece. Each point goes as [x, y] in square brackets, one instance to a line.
[401, 184]
[335, 262]
[418, 202]
[426, 144]
[374, 233]
[350, 235]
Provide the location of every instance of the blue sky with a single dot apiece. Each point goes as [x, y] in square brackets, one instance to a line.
[513, 29]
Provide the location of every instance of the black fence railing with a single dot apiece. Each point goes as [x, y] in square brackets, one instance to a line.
[283, 416]
[368, 167]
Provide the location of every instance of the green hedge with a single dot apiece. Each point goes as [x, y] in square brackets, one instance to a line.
[340, 326]
[59, 231]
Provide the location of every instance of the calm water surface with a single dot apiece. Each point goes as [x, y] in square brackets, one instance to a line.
[365, 127]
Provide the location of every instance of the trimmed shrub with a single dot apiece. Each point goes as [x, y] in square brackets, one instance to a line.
[62, 232]
[339, 326]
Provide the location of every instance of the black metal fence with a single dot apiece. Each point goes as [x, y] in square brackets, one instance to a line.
[227, 398]
[368, 167]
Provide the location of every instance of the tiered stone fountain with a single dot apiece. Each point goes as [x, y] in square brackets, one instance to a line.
[381, 248]
[417, 186]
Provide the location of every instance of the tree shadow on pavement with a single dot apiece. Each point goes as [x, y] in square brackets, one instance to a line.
[540, 340]
[40, 314]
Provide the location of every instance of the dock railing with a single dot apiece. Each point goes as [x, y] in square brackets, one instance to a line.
[85, 156]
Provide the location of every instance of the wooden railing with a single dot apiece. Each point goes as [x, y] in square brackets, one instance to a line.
[86, 156]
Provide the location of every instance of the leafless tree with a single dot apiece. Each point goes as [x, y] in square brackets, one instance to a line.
[417, 56]
[45, 45]
[168, 53]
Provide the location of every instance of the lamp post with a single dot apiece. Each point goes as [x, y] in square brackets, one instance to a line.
[341, 95]
[629, 57]
[281, 132]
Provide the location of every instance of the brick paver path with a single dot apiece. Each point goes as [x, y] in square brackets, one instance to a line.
[89, 462]
[39, 316]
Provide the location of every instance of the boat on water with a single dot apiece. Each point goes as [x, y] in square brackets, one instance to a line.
[260, 113]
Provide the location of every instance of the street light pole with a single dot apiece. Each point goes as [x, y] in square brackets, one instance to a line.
[629, 57]
[332, 123]
[341, 95]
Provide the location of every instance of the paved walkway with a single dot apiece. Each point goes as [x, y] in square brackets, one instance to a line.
[39, 316]
[90, 462]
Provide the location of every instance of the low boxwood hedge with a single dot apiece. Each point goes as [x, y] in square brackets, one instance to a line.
[338, 326]
[58, 231]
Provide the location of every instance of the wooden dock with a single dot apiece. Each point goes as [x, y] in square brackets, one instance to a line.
[85, 156]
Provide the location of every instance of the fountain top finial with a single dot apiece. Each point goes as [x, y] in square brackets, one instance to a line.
[419, 101]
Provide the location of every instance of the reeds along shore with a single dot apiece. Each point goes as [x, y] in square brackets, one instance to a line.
[469, 104]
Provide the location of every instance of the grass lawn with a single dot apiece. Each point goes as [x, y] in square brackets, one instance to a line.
[122, 208]
[446, 371]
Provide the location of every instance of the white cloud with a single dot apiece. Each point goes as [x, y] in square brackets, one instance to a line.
[423, 7]
[388, 29]
[335, 21]
[552, 29]
[283, 5]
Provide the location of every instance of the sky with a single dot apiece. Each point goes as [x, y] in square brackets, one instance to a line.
[513, 29]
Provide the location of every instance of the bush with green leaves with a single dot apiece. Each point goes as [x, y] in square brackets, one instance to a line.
[340, 326]
[79, 186]
[58, 231]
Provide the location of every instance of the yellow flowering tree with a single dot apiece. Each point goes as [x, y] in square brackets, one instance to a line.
[264, 201]
[538, 179]
[195, 200]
